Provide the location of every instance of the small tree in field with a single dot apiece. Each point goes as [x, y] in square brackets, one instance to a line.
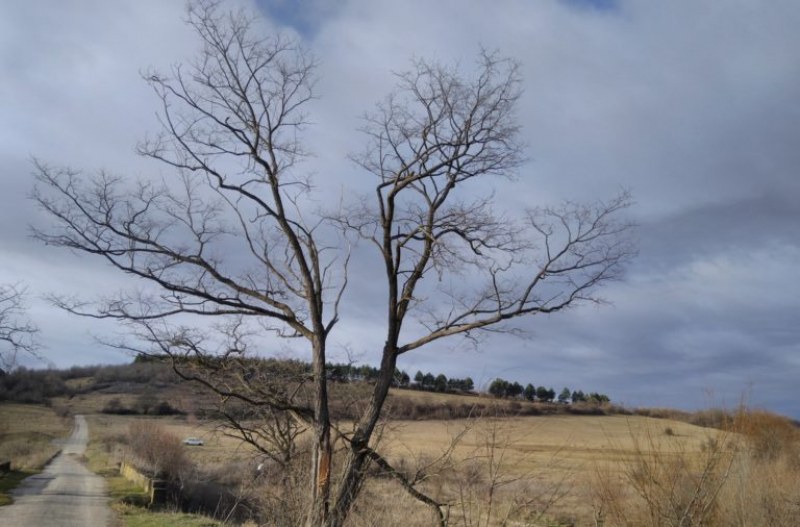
[233, 238]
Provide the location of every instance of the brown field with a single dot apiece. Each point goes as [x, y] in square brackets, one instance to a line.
[577, 442]
[554, 460]
[557, 456]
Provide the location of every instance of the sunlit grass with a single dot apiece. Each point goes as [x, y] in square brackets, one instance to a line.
[138, 517]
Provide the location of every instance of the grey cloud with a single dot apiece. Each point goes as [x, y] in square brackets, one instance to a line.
[693, 106]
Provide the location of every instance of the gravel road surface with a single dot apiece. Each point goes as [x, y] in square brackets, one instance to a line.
[65, 494]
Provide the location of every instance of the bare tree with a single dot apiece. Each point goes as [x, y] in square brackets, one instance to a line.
[228, 237]
[17, 332]
[232, 236]
[436, 134]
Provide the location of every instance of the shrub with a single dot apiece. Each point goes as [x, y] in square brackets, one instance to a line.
[114, 406]
[769, 436]
[745, 474]
[157, 451]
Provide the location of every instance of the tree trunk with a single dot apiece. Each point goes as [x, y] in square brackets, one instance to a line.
[321, 456]
[353, 474]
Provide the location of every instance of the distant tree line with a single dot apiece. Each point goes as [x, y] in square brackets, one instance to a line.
[38, 386]
[514, 390]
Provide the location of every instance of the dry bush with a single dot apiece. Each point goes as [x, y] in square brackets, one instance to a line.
[663, 413]
[381, 504]
[769, 436]
[712, 418]
[278, 491]
[765, 488]
[155, 450]
[666, 483]
[761, 493]
[746, 475]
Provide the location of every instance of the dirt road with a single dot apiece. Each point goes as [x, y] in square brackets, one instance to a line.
[65, 494]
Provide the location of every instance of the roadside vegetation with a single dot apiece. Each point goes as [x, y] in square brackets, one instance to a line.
[107, 447]
[27, 433]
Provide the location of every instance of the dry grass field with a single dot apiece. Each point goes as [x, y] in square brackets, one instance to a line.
[27, 433]
[27, 439]
[539, 468]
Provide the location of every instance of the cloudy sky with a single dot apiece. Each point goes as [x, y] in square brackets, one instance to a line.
[694, 106]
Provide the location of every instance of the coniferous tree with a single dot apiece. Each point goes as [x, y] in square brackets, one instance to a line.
[498, 387]
[530, 392]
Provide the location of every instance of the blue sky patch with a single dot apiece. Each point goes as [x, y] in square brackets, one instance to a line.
[304, 16]
[598, 5]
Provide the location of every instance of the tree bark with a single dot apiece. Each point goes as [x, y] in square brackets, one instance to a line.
[352, 478]
[321, 454]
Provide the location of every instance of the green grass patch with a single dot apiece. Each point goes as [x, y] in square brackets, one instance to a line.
[9, 482]
[138, 517]
[120, 489]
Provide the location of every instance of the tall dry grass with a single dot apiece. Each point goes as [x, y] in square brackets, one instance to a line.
[747, 473]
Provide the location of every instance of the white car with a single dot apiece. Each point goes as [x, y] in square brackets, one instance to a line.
[193, 441]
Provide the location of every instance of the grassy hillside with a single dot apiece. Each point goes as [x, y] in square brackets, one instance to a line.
[152, 388]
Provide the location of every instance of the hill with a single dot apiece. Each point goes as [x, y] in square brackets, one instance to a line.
[151, 387]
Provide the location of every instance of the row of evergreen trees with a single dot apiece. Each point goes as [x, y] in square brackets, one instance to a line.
[442, 384]
[422, 381]
[514, 390]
